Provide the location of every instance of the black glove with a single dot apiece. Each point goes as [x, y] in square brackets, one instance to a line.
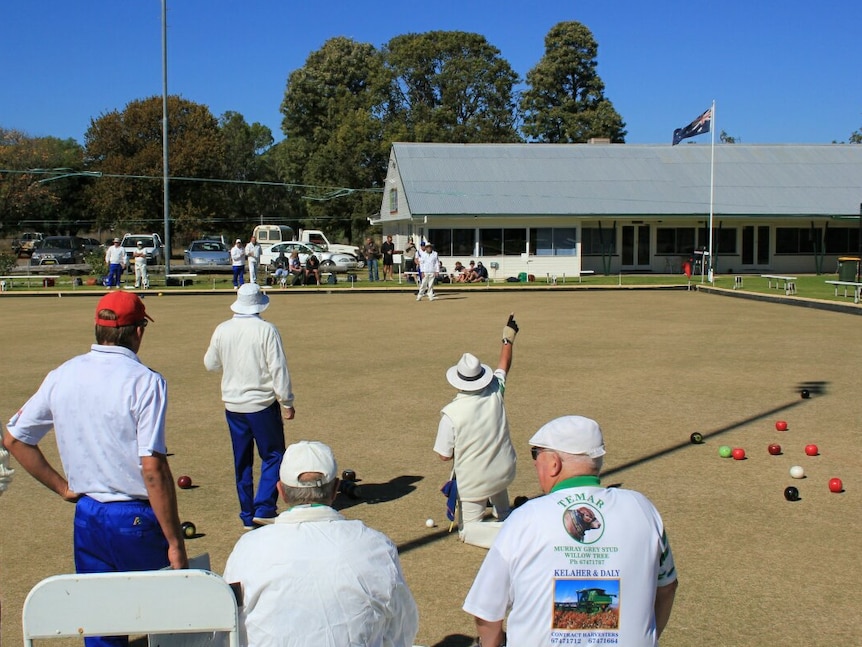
[510, 330]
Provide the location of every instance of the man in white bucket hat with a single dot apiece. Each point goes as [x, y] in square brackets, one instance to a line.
[474, 431]
[257, 395]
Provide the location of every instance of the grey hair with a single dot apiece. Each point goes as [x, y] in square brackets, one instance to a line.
[324, 493]
[582, 464]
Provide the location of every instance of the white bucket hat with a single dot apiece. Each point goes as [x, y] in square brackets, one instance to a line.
[250, 300]
[469, 374]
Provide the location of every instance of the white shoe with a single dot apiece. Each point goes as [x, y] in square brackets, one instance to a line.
[431, 298]
[419, 298]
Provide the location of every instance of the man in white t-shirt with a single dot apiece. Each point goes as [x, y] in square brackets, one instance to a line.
[142, 277]
[584, 564]
[237, 263]
[474, 431]
[252, 254]
[314, 577]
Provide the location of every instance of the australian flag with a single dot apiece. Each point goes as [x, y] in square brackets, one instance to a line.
[696, 127]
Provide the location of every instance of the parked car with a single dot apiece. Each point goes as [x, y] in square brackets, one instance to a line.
[207, 252]
[329, 261]
[58, 250]
[25, 245]
[91, 245]
[152, 244]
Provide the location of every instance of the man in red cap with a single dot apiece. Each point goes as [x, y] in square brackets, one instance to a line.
[108, 413]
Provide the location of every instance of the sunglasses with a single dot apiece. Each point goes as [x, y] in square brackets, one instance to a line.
[535, 451]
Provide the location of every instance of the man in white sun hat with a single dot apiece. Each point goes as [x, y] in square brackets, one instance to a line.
[584, 564]
[314, 577]
[474, 431]
[257, 395]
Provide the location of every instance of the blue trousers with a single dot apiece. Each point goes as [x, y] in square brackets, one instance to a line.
[373, 270]
[121, 536]
[266, 430]
[238, 275]
[115, 273]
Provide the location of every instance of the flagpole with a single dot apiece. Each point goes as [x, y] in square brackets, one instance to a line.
[711, 191]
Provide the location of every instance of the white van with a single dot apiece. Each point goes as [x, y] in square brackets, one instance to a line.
[269, 235]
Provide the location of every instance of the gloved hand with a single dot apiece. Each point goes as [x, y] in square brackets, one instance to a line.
[510, 330]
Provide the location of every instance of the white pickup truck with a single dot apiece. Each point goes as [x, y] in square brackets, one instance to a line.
[319, 238]
[269, 235]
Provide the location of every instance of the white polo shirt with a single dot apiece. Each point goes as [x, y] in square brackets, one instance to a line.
[316, 578]
[107, 410]
[579, 565]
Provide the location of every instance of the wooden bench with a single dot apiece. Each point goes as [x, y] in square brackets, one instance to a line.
[857, 288]
[183, 277]
[7, 282]
[554, 278]
[788, 283]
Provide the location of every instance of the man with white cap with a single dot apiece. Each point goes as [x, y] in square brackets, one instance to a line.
[237, 263]
[584, 564]
[142, 277]
[474, 431]
[314, 577]
[252, 253]
[257, 395]
[115, 257]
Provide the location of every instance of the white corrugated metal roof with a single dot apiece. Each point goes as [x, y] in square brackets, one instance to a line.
[624, 179]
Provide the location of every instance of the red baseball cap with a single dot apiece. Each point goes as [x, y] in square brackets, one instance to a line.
[126, 305]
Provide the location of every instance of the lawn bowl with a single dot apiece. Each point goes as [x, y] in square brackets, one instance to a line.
[781, 425]
[836, 486]
[738, 453]
[725, 451]
[696, 438]
[791, 493]
[811, 450]
[774, 449]
[184, 482]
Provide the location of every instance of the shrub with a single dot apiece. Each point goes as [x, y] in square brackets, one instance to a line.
[96, 260]
[7, 262]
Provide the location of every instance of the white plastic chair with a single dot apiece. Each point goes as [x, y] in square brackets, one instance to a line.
[185, 602]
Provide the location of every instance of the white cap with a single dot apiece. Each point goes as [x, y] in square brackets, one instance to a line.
[304, 457]
[571, 435]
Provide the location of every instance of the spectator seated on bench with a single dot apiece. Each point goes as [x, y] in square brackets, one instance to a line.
[459, 273]
[281, 264]
[312, 270]
[479, 274]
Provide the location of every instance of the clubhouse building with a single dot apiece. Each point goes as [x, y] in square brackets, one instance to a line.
[610, 208]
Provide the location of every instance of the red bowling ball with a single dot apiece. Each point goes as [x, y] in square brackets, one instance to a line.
[811, 450]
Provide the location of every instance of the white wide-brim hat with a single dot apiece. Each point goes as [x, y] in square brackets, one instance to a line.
[250, 300]
[469, 374]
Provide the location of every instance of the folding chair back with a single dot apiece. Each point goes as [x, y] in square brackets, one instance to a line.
[141, 602]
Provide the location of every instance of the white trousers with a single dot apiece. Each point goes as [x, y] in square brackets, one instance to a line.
[252, 270]
[142, 276]
[427, 286]
[472, 529]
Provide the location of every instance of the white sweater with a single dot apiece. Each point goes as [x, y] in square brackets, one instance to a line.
[249, 352]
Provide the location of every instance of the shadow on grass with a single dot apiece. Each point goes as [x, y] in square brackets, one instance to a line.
[372, 493]
[814, 389]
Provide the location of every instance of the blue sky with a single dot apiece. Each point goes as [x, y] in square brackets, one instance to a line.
[779, 72]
